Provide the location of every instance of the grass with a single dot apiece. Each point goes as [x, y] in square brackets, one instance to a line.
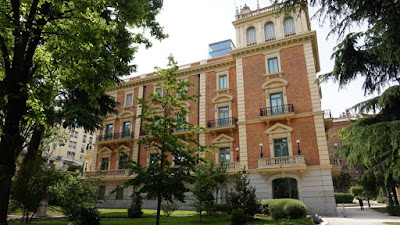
[379, 209]
[122, 213]
[190, 220]
[52, 210]
[394, 223]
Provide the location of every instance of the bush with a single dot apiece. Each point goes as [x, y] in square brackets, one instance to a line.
[381, 199]
[393, 210]
[238, 217]
[357, 190]
[264, 206]
[223, 208]
[169, 207]
[344, 198]
[135, 210]
[86, 216]
[287, 208]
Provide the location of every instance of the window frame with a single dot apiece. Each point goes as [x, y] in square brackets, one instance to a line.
[265, 36]
[161, 92]
[255, 36]
[126, 99]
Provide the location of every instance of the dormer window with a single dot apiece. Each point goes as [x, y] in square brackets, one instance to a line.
[288, 26]
[251, 36]
[269, 31]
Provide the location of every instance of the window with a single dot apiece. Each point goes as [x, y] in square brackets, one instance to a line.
[251, 36]
[269, 31]
[273, 66]
[281, 147]
[126, 129]
[82, 149]
[104, 163]
[288, 26]
[180, 122]
[76, 134]
[123, 159]
[120, 193]
[84, 138]
[223, 82]
[223, 116]
[68, 153]
[109, 130]
[128, 100]
[153, 158]
[90, 140]
[277, 106]
[159, 91]
[101, 193]
[80, 157]
[70, 144]
[224, 155]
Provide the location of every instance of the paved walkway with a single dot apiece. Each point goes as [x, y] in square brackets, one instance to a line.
[354, 216]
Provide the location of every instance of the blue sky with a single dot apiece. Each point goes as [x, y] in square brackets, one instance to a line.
[193, 24]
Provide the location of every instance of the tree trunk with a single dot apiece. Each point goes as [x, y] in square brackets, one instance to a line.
[158, 209]
[396, 200]
[389, 196]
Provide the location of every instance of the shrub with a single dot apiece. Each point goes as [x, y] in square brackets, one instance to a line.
[381, 199]
[287, 208]
[295, 209]
[357, 190]
[223, 208]
[344, 198]
[238, 217]
[264, 206]
[86, 216]
[169, 207]
[393, 210]
[135, 210]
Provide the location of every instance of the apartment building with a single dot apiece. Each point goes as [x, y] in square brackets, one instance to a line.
[77, 150]
[260, 106]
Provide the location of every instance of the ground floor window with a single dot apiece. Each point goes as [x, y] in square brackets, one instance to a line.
[119, 193]
[101, 193]
[285, 188]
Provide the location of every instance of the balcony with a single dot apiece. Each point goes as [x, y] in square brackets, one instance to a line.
[232, 167]
[277, 112]
[222, 124]
[115, 136]
[337, 164]
[107, 174]
[282, 162]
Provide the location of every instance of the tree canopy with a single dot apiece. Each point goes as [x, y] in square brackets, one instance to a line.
[57, 60]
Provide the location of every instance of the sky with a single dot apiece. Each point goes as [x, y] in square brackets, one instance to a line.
[193, 24]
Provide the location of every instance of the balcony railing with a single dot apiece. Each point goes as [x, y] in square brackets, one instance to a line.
[115, 136]
[277, 110]
[107, 173]
[285, 161]
[232, 166]
[222, 122]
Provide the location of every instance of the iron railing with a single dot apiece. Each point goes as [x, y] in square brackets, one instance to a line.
[115, 136]
[276, 110]
[222, 122]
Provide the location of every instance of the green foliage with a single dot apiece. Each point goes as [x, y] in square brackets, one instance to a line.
[208, 180]
[243, 196]
[135, 210]
[31, 185]
[162, 116]
[169, 207]
[393, 210]
[238, 217]
[223, 208]
[342, 182]
[74, 168]
[86, 216]
[264, 206]
[381, 199]
[287, 208]
[73, 193]
[344, 198]
[357, 190]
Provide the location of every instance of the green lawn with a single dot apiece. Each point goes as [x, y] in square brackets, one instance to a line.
[191, 220]
[393, 223]
[51, 211]
[380, 209]
[121, 213]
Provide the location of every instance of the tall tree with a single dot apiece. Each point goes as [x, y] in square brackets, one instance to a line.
[163, 114]
[58, 58]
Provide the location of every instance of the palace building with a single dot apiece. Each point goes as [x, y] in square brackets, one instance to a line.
[260, 106]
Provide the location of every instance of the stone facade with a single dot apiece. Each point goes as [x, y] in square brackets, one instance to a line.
[259, 122]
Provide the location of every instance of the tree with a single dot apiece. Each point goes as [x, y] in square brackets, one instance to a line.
[163, 114]
[342, 181]
[57, 60]
[243, 197]
[31, 185]
[207, 180]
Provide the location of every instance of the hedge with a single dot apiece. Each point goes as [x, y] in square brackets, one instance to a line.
[287, 209]
[344, 198]
[356, 190]
[393, 210]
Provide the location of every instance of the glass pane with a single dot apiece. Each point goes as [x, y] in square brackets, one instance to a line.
[104, 163]
[223, 116]
[101, 192]
[109, 130]
[126, 128]
[273, 65]
[224, 155]
[277, 103]
[159, 90]
[223, 82]
[269, 31]
[288, 25]
[128, 101]
[281, 147]
[251, 35]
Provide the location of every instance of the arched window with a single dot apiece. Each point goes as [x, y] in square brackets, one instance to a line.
[251, 36]
[269, 31]
[288, 26]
